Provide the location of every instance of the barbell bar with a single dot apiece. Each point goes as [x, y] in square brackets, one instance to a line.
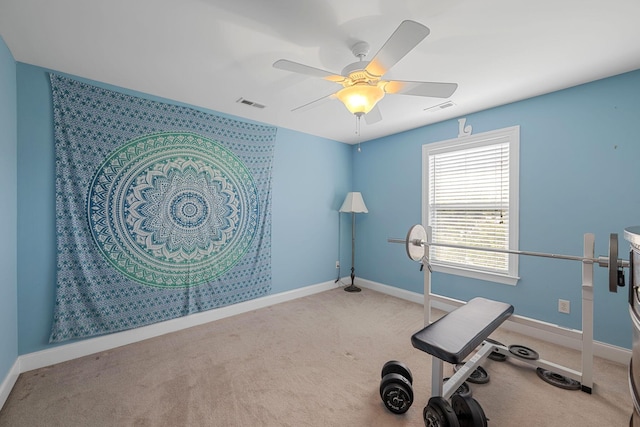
[416, 240]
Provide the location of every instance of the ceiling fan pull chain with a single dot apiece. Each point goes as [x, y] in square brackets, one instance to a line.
[358, 130]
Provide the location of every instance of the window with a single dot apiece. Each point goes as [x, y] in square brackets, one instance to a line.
[470, 198]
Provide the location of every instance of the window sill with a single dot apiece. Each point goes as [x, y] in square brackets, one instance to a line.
[476, 274]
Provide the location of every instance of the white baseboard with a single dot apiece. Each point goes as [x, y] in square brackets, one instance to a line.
[393, 291]
[600, 349]
[9, 382]
[65, 352]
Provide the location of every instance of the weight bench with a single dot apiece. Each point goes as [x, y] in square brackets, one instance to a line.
[454, 336]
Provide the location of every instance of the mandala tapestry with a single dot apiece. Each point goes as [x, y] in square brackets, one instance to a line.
[161, 210]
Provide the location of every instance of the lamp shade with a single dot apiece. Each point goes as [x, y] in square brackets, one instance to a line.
[354, 203]
[360, 98]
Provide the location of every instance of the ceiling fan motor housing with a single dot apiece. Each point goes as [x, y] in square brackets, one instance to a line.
[360, 49]
[355, 71]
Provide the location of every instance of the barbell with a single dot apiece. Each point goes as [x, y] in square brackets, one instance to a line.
[417, 240]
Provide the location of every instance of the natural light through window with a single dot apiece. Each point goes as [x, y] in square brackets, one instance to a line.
[471, 199]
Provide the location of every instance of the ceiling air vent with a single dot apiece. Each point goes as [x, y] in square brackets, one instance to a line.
[249, 103]
[439, 107]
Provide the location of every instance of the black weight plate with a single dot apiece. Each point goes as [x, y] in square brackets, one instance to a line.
[464, 388]
[478, 376]
[468, 411]
[523, 352]
[395, 379]
[558, 380]
[498, 357]
[494, 355]
[438, 413]
[397, 398]
[395, 367]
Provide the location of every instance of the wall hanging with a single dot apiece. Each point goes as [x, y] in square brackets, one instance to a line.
[161, 210]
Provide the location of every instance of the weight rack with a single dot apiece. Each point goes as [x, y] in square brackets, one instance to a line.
[417, 245]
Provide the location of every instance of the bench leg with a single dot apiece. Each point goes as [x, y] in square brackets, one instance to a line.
[439, 388]
[437, 376]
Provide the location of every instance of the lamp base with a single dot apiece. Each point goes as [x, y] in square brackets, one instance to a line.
[352, 287]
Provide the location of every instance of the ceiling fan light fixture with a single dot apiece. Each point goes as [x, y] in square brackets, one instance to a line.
[362, 84]
[360, 98]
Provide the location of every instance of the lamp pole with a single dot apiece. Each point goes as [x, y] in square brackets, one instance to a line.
[353, 203]
[352, 287]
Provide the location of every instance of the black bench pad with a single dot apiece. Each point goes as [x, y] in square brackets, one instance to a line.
[455, 335]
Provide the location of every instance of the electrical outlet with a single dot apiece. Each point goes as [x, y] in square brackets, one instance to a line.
[337, 264]
[564, 306]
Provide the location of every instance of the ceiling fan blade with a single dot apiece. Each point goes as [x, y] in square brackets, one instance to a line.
[430, 89]
[402, 41]
[373, 116]
[316, 103]
[284, 64]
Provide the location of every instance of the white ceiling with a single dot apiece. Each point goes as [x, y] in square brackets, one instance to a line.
[210, 53]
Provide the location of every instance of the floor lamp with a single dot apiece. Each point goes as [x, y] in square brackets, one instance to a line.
[353, 203]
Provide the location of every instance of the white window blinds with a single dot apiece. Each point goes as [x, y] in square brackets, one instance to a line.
[469, 202]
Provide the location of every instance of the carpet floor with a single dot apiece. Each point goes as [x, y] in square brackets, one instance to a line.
[314, 361]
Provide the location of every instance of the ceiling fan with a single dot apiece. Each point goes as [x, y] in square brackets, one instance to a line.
[362, 83]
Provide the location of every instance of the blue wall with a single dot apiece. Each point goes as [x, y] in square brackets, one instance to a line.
[579, 153]
[309, 175]
[8, 212]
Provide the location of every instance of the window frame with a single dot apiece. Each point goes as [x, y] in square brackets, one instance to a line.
[511, 135]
